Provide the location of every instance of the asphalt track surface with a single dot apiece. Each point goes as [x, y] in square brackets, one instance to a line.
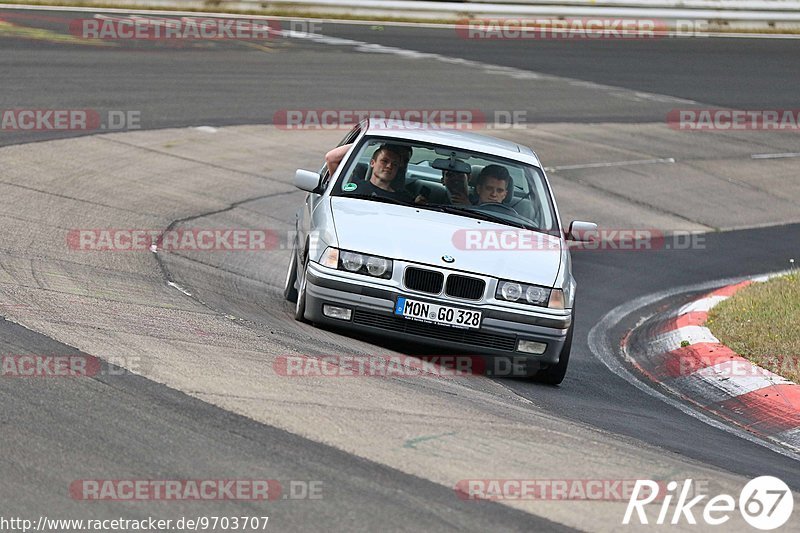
[118, 422]
[227, 83]
[126, 420]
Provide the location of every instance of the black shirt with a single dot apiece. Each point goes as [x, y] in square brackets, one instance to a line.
[368, 188]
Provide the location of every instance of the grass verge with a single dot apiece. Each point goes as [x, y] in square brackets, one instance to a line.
[762, 323]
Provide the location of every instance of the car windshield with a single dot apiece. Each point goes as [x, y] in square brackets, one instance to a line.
[453, 180]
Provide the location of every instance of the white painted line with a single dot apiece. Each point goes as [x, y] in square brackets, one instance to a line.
[720, 376]
[702, 391]
[672, 340]
[613, 164]
[207, 129]
[100, 16]
[792, 436]
[602, 344]
[488, 68]
[775, 156]
[703, 305]
[767, 277]
[726, 381]
[176, 286]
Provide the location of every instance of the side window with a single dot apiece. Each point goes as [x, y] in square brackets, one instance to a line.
[351, 136]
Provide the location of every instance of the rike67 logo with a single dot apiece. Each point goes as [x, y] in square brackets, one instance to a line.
[765, 503]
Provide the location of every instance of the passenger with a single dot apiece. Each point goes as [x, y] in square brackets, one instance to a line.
[405, 153]
[457, 184]
[493, 184]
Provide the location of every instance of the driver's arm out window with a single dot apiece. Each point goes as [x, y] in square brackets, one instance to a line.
[334, 157]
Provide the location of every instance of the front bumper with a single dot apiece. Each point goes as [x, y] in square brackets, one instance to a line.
[373, 312]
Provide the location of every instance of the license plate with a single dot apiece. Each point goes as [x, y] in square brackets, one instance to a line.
[437, 314]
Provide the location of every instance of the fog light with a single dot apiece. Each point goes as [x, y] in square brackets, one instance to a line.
[332, 311]
[537, 348]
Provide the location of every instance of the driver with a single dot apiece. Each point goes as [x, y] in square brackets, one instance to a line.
[493, 184]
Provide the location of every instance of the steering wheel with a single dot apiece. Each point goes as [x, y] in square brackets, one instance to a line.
[492, 206]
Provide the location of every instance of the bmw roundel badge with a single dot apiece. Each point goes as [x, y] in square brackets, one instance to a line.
[448, 259]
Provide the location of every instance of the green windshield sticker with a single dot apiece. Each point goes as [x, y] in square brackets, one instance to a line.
[349, 187]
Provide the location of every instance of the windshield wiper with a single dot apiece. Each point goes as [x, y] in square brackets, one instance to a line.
[478, 214]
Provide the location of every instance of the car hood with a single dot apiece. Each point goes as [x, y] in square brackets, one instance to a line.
[424, 236]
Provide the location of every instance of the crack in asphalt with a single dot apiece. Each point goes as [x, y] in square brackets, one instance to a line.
[81, 201]
[164, 270]
[635, 201]
[185, 158]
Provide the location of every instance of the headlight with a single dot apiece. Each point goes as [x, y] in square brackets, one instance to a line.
[367, 265]
[536, 295]
[377, 266]
[352, 261]
[512, 291]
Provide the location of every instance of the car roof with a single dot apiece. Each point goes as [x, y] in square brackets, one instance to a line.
[467, 140]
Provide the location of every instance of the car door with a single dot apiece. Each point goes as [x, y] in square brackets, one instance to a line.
[304, 223]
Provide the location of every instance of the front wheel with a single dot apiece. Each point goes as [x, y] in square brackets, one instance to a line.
[300, 304]
[289, 289]
[554, 375]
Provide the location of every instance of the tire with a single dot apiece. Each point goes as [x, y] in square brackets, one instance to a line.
[300, 303]
[289, 290]
[554, 375]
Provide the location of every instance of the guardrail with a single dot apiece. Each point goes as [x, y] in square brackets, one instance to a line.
[772, 16]
[521, 6]
[754, 5]
[770, 13]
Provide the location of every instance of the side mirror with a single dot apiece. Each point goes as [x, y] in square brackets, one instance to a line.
[581, 231]
[305, 180]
